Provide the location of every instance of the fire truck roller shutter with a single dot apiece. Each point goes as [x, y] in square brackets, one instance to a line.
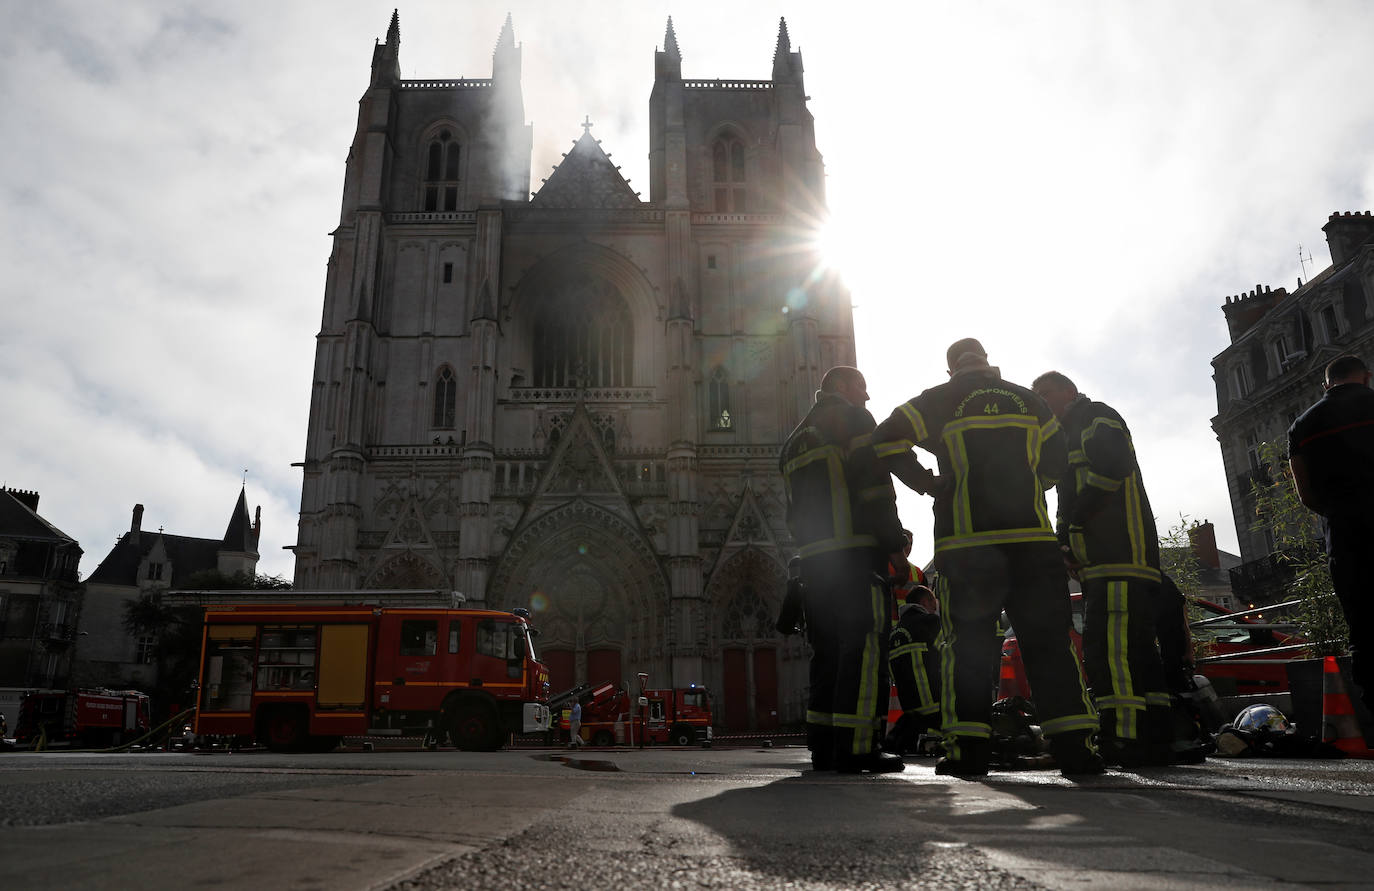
[342, 678]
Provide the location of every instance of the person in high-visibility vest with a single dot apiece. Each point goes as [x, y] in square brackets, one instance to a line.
[999, 447]
[1107, 532]
[843, 517]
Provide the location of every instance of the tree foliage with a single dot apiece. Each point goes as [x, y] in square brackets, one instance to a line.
[1297, 536]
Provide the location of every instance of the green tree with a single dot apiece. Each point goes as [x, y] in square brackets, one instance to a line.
[1297, 539]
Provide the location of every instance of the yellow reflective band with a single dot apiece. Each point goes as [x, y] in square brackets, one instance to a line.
[889, 449]
[1086, 721]
[962, 507]
[820, 453]
[825, 719]
[947, 639]
[1098, 481]
[1135, 702]
[1158, 699]
[1118, 664]
[1099, 571]
[1049, 428]
[995, 537]
[913, 418]
[973, 729]
[1091, 429]
[1135, 523]
[923, 691]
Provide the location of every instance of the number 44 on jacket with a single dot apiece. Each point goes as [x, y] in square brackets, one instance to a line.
[301, 676]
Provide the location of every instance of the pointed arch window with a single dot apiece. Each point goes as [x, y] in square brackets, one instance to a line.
[727, 175]
[718, 400]
[441, 173]
[445, 397]
[584, 338]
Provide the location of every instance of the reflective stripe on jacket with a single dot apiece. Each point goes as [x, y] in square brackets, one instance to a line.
[998, 446]
[1104, 513]
[833, 503]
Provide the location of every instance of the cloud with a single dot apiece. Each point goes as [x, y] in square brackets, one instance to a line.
[1080, 184]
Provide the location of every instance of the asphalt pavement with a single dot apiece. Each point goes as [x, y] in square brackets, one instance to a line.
[668, 818]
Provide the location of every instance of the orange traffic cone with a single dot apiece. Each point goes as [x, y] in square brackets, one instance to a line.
[894, 707]
[1339, 727]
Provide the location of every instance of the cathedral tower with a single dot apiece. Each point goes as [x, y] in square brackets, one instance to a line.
[573, 400]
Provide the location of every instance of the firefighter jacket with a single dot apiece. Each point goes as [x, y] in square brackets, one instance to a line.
[1104, 514]
[999, 448]
[834, 503]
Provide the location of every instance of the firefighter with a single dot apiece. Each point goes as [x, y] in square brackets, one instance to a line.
[1107, 532]
[915, 667]
[999, 447]
[843, 516]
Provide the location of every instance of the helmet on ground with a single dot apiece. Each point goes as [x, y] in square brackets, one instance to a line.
[1261, 719]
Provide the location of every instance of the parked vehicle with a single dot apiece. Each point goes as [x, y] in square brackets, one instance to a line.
[1252, 668]
[91, 716]
[679, 716]
[300, 677]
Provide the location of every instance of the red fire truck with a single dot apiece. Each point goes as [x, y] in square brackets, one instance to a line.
[299, 677]
[680, 716]
[91, 716]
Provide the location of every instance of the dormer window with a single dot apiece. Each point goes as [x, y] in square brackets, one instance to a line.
[154, 572]
[727, 175]
[1240, 382]
[1330, 323]
[441, 173]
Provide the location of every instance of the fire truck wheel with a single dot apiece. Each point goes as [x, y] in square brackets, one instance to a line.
[283, 729]
[683, 735]
[603, 738]
[474, 728]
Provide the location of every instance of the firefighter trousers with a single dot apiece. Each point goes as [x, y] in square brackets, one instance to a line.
[847, 621]
[915, 678]
[1122, 660]
[1028, 580]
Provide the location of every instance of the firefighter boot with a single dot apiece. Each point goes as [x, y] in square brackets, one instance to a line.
[1076, 754]
[968, 757]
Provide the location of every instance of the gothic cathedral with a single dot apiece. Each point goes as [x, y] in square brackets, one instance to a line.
[572, 400]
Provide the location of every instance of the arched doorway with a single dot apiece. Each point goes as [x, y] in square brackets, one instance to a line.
[596, 593]
[745, 594]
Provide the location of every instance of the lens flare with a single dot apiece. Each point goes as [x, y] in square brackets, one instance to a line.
[539, 602]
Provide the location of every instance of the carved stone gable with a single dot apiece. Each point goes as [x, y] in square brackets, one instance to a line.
[579, 464]
[586, 178]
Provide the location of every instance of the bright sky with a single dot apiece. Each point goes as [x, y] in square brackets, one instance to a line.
[1078, 184]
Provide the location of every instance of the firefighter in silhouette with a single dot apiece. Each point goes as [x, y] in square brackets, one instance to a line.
[843, 516]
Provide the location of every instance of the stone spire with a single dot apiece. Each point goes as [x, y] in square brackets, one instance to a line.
[506, 39]
[670, 42]
[393, 33]
[784, 45]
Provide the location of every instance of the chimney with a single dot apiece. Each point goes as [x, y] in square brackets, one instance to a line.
[1345, 232]
[137, 525]
[1204, 539]
[24, 497]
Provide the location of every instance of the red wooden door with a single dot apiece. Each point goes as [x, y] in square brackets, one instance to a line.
[765, 688]
[735, 698]
[603, 666]
[561, 669]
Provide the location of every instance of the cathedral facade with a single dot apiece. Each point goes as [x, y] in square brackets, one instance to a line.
[572, 399]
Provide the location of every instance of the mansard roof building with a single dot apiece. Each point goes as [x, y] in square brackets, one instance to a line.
[572, 400]
[1273, 370]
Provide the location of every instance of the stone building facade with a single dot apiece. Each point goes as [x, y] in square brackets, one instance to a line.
[40, 599]
[1281, 343]
[572, 400]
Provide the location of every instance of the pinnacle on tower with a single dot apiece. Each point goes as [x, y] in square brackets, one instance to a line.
[393, 32]
[506, 40]
[784, 43]
[670, 42]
